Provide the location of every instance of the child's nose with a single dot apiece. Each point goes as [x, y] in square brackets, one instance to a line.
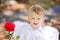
[35, 20]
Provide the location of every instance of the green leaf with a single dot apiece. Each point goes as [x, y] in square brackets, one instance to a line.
[17, 37]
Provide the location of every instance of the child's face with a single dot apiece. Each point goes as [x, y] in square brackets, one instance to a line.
[36, 20]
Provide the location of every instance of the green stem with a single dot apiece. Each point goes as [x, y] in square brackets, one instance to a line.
[9, 36]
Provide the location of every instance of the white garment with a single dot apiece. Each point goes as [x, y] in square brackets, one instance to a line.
[50, 33]
[25, 31]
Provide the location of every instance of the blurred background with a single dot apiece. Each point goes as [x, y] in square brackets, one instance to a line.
[11, 10]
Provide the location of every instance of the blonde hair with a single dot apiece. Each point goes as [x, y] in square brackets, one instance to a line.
[37, 9]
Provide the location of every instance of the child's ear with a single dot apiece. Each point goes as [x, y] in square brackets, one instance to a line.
[43, 19]
[28, 19]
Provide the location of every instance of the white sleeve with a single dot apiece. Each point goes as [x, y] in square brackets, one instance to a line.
[18, 26]
[51, 34]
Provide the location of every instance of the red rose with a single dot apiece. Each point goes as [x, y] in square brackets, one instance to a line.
[10, 26]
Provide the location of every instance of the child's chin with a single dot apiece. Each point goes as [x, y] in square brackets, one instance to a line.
[35, 27]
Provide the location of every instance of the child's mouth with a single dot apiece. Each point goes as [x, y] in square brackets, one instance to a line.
[35, 23]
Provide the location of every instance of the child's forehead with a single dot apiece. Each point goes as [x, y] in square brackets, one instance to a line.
[33, 14]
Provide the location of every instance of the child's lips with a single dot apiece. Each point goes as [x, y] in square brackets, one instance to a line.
[35, 23]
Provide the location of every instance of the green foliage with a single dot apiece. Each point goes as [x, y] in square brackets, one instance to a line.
[47, 3]
[7, 36]
[15, 38]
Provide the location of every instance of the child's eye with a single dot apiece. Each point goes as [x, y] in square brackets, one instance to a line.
[38, 18]
[33, 18]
